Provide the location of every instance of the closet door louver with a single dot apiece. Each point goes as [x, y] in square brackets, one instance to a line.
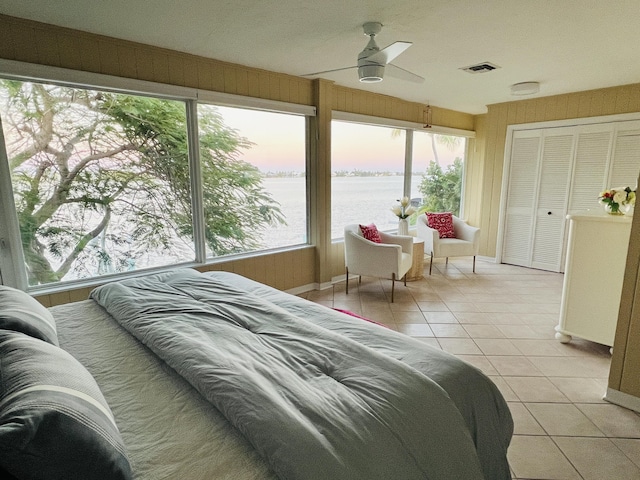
[626, 151]
[523, 180]
[553, 194]
[590, 168]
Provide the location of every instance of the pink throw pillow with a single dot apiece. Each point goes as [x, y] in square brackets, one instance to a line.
[370, 232]
[442, 222]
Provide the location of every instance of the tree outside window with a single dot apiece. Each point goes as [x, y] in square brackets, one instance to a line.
[101, 182]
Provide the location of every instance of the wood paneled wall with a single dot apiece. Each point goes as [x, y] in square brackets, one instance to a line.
[592, 103]
[43, 44]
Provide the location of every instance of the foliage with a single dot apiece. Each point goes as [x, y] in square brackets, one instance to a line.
[101, 180]
[441, 189]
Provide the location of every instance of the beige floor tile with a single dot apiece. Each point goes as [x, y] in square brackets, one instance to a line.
[505, 318]
[535, 389]
[440, 317]
[598, 458]
[404, 306]
[493, 307]
[523, 422]
[415, 329]
[437, 306]
[448, 297]
[613, 420]
[482, 298]
[527, 308]
[581, 390]
[630, 447]
[539, 347]
[563, 419]
[482, 331]
[542, 319]
[538, 457]
[382, 316]
[544, 331]
[409, 317]
[497, 346]
[514, 366]
[425, 296]
[349, 304]
[519, 331]
[460, 307]
[448, 330]
[507, 392]
[572, 366]
[473, 317]
[481, 362]
[462, 346]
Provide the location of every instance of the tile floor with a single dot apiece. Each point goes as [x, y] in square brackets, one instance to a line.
[502, 320]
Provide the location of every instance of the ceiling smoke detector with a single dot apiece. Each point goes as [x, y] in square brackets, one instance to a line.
[525, 88]
[483, 67]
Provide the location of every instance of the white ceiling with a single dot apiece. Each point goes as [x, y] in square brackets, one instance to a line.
[566, 45]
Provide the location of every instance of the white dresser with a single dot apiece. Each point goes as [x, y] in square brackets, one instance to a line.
[593, 275]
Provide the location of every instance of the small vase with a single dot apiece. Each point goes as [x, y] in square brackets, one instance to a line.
[612, 209]
[403, 227]
[627, 210]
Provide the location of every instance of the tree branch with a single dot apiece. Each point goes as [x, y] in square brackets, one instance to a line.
[82, 243]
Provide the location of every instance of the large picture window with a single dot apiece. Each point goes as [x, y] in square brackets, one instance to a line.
[93, 174]
[369, 173]
[260, 201]
[367, 168]
[102, 181]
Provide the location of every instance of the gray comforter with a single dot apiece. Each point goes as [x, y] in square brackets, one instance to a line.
[334, 399]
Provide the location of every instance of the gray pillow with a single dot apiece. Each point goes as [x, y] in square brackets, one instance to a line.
[54, 422]
[20, 312]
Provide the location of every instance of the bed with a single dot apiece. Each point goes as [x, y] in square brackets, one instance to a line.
[307, 392]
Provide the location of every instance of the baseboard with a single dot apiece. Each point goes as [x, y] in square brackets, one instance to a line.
[623, 399]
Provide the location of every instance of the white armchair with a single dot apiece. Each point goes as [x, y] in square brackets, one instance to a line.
[389, 259]
[467, 241]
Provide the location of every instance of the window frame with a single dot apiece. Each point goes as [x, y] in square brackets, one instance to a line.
[409, 128]
[12, 272]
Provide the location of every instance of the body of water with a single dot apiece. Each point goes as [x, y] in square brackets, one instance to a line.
[354, 200]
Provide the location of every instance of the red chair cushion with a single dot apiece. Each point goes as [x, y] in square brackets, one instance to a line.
[442, 222]
[370, 232]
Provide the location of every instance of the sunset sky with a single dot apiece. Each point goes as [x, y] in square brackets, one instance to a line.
[279, 144]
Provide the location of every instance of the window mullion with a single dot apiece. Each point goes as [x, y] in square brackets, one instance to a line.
[408, 162]
[195, 170]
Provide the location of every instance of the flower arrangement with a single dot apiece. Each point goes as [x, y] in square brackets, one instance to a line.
[404, 210]
[618, 197]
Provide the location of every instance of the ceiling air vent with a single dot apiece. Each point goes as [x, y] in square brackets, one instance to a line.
[480, 67]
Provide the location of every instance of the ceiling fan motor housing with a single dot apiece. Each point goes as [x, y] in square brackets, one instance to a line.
[371, 73]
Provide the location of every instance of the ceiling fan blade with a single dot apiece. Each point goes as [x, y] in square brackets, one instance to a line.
[388, 53]
[401, 73]
[328, 71]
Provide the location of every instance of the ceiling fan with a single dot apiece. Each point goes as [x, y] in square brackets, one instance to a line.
[372, 62]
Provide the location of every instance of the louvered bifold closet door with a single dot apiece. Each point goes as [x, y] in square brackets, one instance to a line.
[553, 195]
[626, 155]
[591, 166]
[523, 185]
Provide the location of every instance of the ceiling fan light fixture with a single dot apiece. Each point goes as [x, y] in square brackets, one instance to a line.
[525, 88]
[371, 73]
